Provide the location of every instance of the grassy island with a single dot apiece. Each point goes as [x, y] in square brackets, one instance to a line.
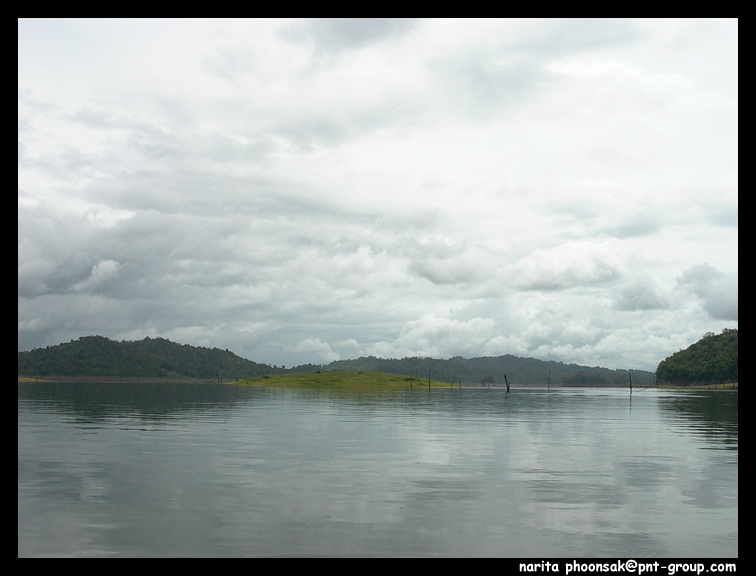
[720, 386]
[347, 380]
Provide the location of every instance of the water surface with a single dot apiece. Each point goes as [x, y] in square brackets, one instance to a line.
[224, 470]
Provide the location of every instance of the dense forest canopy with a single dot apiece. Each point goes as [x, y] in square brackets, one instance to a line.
[151, 357]
[157, 357]
[713, 359]
[491, 370]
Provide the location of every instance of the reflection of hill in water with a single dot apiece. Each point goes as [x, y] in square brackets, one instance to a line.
[714, 413]
[95, 401]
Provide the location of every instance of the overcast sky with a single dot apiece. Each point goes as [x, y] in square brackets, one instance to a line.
[311, 190]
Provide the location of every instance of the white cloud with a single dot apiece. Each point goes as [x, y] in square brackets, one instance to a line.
[314, 348]
[103, 271]
[575, 263]
[435, 336]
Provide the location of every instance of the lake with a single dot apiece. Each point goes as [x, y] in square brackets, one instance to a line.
[227, 470]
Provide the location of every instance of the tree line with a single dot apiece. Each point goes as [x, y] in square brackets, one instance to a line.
[157, 357]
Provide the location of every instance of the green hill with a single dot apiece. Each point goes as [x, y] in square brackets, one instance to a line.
[151, 357]
[711, 360]
[491, 369]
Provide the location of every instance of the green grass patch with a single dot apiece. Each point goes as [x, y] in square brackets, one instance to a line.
[721, 386]
[343, 380]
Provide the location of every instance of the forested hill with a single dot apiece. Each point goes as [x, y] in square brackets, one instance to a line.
[155, 357]
[713, 359]
[490, 369]
[151, 357]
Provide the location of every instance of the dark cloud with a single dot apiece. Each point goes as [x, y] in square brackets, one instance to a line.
[444, 261]
[53, 252]
[724, 215]
[643, 224]
[446, 271]
[231, 64]
[718, 291]
[228, 150]
[566, 36]
[514, 72]
[94, 118]
[643, 295]
[27, 99]
[480, 84]
[335, 127]
[311, 131]
[337, 34]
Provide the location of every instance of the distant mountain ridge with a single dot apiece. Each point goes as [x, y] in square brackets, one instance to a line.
[492, 369]
[158, 357]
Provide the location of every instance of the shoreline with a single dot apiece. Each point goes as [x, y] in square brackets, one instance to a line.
[336, 379]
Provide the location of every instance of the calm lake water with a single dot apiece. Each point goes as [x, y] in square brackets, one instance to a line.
[225, 470]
